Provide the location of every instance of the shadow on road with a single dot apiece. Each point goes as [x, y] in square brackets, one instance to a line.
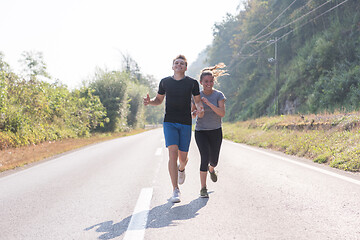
[160, 216]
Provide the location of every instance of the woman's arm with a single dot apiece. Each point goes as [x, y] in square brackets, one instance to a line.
[218, 110]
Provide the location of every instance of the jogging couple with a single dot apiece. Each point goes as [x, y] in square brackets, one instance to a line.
[184, 100]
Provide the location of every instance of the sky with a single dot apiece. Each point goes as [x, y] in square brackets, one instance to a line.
[78, 36]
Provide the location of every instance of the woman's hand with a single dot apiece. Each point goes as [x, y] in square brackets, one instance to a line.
[205, 100]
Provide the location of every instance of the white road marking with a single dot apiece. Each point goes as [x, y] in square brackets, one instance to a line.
[301, 164]
[137, 225]
[158, 152]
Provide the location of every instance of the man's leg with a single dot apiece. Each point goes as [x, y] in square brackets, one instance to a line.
[185, 138]
[173, 169]
[182, 160]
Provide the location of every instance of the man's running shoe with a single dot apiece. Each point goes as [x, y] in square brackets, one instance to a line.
[181, 176]
[176, 196]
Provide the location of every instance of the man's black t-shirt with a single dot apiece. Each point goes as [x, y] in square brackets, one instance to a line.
[178, 98]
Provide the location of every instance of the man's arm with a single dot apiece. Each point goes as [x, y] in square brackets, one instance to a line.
[199, 106]
[193, 110]
[155, 101]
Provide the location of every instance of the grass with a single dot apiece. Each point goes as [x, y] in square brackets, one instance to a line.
[17, 157]
[331, 139]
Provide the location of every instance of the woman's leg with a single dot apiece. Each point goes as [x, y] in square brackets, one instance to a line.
[215, 140]
[204, 149]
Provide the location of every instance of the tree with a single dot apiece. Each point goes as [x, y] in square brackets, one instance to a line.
[89, 109]
[4, 66]
[33, 64]
[136, 116]
[112, 89]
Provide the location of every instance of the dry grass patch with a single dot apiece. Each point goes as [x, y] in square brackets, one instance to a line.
[17, 157]
[330, 139]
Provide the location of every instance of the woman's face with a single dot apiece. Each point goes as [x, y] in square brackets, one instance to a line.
[207, 82]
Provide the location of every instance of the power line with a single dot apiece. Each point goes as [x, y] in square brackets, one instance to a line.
[250, 41]
[250, 55]
[274, 20]
[299, 18]
[295, 12]
[314, 18]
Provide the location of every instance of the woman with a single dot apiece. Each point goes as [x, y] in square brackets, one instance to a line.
[208, 132]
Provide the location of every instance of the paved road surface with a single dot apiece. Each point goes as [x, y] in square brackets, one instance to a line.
[119, 189]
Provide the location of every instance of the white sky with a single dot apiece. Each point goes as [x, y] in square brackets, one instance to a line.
[76, 36]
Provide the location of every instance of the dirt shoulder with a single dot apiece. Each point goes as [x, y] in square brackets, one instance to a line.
[21, 157]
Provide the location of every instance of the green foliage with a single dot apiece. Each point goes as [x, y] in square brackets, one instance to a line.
[4, 75]
[122, 93]
[339, 88]
[3, 92]
[89, 109]
[155, 114]
[33, 110]
[323, 158]
[136, 116]
[112, 89]
[4, 66]
[195, 68]
[33, 64]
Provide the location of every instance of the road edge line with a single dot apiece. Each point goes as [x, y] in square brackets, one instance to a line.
[301, 164]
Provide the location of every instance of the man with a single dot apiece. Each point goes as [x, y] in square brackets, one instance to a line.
[178, 90]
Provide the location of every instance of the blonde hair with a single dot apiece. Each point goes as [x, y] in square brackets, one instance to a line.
[214, 71]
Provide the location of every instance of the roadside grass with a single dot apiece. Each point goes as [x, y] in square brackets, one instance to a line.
[12, 158]
[331, 139]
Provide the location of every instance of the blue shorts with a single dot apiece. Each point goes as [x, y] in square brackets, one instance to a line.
[177, 134]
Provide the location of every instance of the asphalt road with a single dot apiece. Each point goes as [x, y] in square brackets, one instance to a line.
[119, 189]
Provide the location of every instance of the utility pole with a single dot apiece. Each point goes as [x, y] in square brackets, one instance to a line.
[275, 60]
[277, 79]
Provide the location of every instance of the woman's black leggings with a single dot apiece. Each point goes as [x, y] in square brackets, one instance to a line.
[209, 143]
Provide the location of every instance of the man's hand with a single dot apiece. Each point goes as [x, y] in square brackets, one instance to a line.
[194, 114]
[200, 111]
[146, 100]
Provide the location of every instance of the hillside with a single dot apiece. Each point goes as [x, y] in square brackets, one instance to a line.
[287, 57]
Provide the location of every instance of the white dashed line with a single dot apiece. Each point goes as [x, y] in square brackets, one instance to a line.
[137, 225]
[158, 152]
